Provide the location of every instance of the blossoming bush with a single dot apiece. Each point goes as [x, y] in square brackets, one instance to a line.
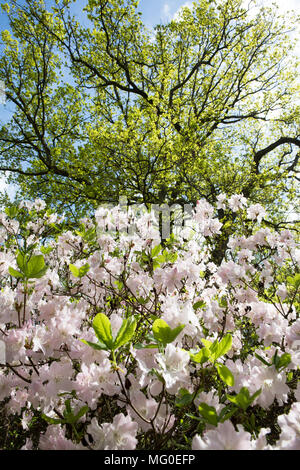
[115, 339]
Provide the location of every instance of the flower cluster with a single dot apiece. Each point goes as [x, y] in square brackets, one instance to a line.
[116, 339]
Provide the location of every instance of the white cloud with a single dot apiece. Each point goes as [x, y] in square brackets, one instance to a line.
[166, 11]
[178, 12]
[284, 5]
[10, 189]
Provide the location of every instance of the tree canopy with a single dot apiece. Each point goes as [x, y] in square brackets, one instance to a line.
[203, 105]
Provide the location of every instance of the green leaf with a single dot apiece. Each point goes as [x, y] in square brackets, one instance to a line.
[175, 332]
[283, 361]
[206, 343]
[40, 274]
[102, 328]
[53, 420]
[82, 412]
[209, 413]
[145, 346]
[243, 399]
[35, 267]
[21, 262]
[226, 413]
[163, 333]
[68, 405]
[155, 251]
[225, 374]
[155, 264]
[13, 272]
[218, 349]
[214, 351]
[171, 257]
[199, 304]
[185, 398]
[84, 270]
[201, 357]
[125, 333]
[223, 302]
[196, 418]
[99, 346]
[46, 249]
[161, 259]
[294, 281]
[262, 360]
[74, 270]
[11, 211]
[224, 345]
[255, 395]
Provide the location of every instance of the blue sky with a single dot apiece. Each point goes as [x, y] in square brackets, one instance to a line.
[153, 11]
[157, 11]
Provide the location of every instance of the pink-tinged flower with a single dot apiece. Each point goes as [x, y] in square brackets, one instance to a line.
[261, 442]
[118, 435]
[224, 437]
[173, 367]
[39, 205]
[54, 439]
[172, 279]
[97, 434]
[236, 202]
[273, 330]
[211, 399]
[18, 400]
[15, 345]
[6, 382]
[7, 300]
[221, 198]
[293, 335]
[245, 255]
[272, 384]
[176, 312]
[28, 445]
[145, 359]
[290, 429]
[93, 380]
[231, 272]
[256, 211]
[281, 291]
[26, 418]
[57, 377]
[6, 260]
[145, 407]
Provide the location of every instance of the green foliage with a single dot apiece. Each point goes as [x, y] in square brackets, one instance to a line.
[102, 328]
[217, 349]
[225, 374]
[185, 398]
[209, 413]
[79, 272]
[125, 333]
[201, 357]
[31, 267]
[163, 333]
[243, 399]
[163, 118]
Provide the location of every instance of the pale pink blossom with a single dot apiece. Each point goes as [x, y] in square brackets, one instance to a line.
[224, 437]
